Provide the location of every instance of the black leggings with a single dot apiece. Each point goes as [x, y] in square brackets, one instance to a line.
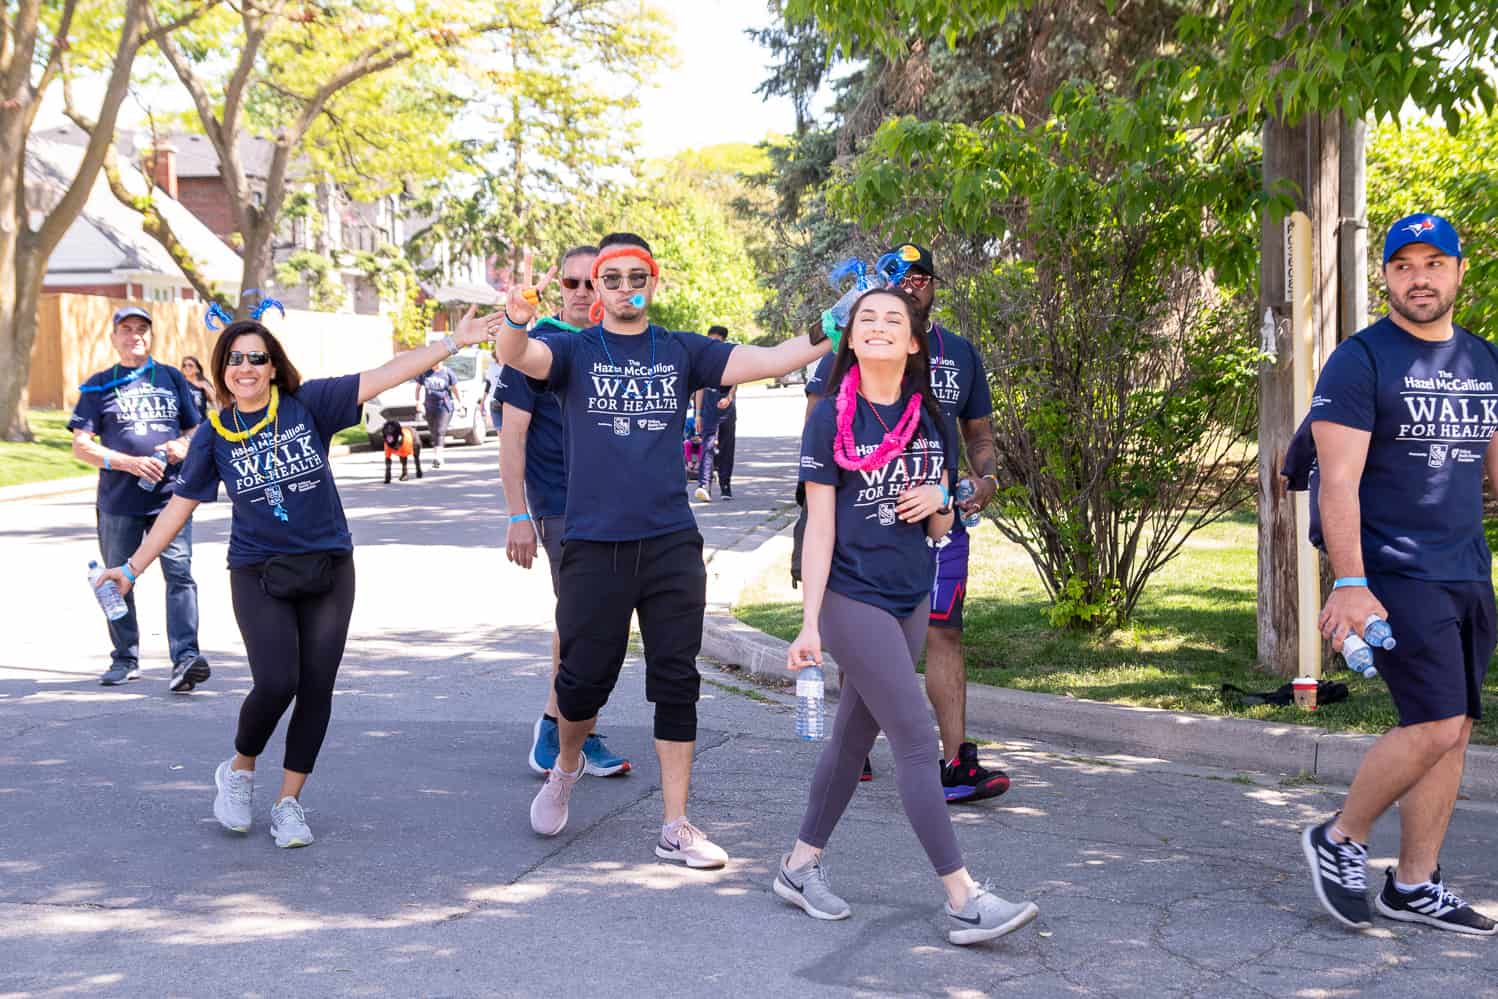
[294, 648]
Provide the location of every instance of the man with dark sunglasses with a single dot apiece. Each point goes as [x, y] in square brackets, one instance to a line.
[961, 386]
[533, 468]
[129, 418]
[632, 545]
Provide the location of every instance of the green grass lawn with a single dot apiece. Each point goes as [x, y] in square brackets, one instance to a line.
[1194, 631]
[353, 435]
[50, 456]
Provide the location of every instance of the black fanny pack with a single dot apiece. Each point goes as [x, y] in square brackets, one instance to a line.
[288, 577]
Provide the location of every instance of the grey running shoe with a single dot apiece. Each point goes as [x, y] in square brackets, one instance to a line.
[119, 673]
[549, 807]
[807, 888]
[288, 824]
[985, 917]
[188, 674]
[231, 805]
[684, 843]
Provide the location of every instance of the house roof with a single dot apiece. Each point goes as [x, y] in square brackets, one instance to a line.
[107, 235]
[196, 156]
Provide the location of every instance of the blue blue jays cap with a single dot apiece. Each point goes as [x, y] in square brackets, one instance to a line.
[1431, 230]
[128, 311]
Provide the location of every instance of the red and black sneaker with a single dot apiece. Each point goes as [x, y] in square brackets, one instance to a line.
[966, 779]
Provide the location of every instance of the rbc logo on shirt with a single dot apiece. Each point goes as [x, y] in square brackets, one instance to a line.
[621, 426]
[1437, 455]
[886, 514]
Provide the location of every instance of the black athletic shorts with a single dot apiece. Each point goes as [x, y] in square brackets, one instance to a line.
[1446, 634]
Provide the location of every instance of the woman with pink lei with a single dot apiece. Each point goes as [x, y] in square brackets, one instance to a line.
[877, 486]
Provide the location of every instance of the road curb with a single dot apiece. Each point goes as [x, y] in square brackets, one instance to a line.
[1073, 722]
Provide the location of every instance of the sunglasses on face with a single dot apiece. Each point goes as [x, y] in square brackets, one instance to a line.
[917, 280]
[572, 284]
[614, 281]
[258, 358]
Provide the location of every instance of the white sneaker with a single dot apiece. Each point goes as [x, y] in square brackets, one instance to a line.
[288, 824]
[684, 843]
[231, 805]
[701, 495]
[549, 808]
[985, 917]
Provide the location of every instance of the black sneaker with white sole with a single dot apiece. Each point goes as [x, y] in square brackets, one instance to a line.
[1434, 905]
[188, 674]
[1339, 873]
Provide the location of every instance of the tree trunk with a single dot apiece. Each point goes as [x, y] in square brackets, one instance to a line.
[258, 238]
[1306, 155]
[19, 295]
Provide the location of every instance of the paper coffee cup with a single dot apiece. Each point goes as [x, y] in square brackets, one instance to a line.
[1305, 692]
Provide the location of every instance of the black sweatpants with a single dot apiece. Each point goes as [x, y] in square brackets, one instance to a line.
[294, 648]
[727, 433]
[602, 584]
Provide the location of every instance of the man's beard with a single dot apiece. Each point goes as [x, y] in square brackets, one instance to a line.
[1424, 312]
[624, 313]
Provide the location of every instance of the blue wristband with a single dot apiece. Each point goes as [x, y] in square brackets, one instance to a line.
[946, 496]
[106, 461]
[1351, 581]
[512, 324]
[519, 517]
[125, 568]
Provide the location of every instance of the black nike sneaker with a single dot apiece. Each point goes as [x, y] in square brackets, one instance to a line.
[1339, 873]
[1434, 905]
[965, 779]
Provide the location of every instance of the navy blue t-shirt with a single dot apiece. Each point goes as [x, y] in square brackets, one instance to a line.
[279, 481]
[136, 418]
[624, 405]
[1432, 409]
[437, 385]
[712, 416]
[199, 400]
[957, 380]
[877, 558]
[545, 454]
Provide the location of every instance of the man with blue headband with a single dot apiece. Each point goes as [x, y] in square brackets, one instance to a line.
[133, 422]
[1403, 420]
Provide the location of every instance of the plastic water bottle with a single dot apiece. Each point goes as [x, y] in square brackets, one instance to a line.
[966, 490]
[147, 484]
[1376, 631]
[108, 595]
[811, 692]
[1359, 656]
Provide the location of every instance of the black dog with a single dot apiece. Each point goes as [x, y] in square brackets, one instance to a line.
[400, 442]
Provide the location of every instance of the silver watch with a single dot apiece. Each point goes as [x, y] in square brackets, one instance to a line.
[451, 345]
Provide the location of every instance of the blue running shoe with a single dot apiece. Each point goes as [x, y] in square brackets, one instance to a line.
[598, 761]
[546, 743]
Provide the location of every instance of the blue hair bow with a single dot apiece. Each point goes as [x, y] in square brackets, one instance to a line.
[266, 304]
[216, 313]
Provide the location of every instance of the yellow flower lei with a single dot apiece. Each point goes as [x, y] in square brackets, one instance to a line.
[235, 436]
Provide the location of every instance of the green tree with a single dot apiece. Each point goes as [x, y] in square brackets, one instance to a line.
[1422, 167]
[315, 80]
[547, 125]
[38, 41]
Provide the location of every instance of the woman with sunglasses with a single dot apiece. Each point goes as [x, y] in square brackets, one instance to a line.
[875, 464]
[291, 568]
[197, 384]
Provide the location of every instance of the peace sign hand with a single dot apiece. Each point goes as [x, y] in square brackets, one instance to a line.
[524, 299]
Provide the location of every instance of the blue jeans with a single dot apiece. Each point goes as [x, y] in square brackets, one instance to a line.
[119, 536]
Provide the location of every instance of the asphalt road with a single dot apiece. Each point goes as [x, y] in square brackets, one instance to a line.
[1154, 879]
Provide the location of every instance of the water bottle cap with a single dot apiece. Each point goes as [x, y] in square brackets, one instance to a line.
[93, 563]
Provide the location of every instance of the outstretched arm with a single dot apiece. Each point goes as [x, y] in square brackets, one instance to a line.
[408, 364]
[169, 524]
[514, 347]
[749, 363]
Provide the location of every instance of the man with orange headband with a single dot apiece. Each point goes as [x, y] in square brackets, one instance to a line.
[631, 543]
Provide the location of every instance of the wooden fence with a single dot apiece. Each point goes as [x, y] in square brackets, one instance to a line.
[72, 341]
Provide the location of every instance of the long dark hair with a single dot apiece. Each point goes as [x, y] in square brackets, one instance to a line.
[287, 379]
[917, 377]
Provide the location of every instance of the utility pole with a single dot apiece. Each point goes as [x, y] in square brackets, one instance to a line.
[1301, 318]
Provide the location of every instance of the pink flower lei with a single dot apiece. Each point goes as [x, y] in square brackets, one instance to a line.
[845, 448]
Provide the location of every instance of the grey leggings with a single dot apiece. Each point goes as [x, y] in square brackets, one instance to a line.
[877, 652]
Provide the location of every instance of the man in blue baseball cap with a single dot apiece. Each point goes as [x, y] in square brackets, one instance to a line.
[133, 422]
[1403, 418]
